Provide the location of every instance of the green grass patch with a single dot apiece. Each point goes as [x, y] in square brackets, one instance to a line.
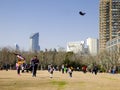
[59, 84]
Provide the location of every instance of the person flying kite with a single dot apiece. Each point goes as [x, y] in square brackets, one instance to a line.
[19, 63]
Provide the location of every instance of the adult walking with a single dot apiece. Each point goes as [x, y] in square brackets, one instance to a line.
[34, 64]
[95, 69]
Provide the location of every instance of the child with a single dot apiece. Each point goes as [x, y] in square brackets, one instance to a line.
[51, 71]
[70, 72]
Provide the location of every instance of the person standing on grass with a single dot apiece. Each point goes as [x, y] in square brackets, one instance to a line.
[51, 71]
[95, 69]
[19, 62]
[34, 64]
[62, 67]
[84, 69]
[70, 70]
[18, 66]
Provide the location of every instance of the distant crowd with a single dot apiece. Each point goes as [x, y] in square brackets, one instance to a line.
[22, 67]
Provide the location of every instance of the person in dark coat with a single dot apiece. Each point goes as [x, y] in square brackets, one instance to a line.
[95, 69]
[34, 64]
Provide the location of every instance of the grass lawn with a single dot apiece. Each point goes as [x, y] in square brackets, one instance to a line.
[9, 80]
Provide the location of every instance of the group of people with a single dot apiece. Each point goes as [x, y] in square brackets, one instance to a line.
[94, 70]
[67, 69]
[63, 68]
[33, 64]
[20, 65]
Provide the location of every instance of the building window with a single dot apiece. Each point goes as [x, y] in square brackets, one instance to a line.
[119, 40]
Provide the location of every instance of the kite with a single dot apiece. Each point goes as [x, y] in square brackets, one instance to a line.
[19, 56]
[81, 13]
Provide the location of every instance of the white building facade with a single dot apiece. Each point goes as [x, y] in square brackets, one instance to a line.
[114, 44]
[92, 45]
[76, 47]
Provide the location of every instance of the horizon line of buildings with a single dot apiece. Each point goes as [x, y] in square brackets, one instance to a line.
[90, 47]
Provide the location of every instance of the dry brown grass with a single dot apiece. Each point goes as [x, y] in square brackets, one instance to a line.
[9, 80]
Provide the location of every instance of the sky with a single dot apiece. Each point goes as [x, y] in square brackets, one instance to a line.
[57, 21]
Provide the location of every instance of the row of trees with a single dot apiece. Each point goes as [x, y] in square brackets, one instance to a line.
[104, 60]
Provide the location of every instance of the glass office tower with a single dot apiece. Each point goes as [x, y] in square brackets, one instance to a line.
[34, 42]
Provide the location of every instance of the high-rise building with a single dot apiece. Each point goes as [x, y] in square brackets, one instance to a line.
[92, 45]
[34, 42]
[76, 47]
[17, 47]
[109, 21]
